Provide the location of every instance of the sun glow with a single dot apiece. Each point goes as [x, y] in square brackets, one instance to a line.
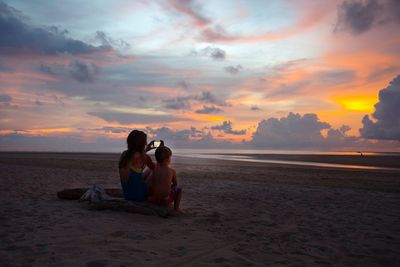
[357, 103]
[38, 131]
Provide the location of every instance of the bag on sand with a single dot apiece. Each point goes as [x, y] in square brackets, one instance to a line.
[95, 194]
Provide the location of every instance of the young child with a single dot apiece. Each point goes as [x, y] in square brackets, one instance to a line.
[164, 189]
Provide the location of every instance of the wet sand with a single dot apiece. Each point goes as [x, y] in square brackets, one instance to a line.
[236, 214]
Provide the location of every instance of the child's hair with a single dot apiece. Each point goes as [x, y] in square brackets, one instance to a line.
[163, 153]
[136, 141]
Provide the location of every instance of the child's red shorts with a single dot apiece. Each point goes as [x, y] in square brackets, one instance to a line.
[168, 200]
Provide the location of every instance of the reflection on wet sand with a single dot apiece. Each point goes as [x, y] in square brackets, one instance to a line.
[259, 159]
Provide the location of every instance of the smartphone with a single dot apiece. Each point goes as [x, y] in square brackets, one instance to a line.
[157, 143]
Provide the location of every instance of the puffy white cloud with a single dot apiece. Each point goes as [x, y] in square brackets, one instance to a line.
[293, 131]
[385, 122]
[297, 131]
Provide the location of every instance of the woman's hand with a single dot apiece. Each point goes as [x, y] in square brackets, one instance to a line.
[153, 144]
[150, 146]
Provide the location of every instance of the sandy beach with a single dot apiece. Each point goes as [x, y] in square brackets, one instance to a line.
[236, 214]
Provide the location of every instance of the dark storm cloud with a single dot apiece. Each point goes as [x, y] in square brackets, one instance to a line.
[5, 98]
[17, 36]
[129, 118]
[103, 38]
[385, 123]
[209, 97]
[209, 110]
[184, 102]
[83, 72]
[360, 16]
[107, 41]
[233, 70]
[226, 127]
[178, 103]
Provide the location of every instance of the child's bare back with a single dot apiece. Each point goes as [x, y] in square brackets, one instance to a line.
[162, 179]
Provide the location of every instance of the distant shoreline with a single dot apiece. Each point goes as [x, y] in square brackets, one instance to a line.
[229, 152]
[376, 162]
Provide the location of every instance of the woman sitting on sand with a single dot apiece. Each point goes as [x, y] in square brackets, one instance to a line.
[132, 164]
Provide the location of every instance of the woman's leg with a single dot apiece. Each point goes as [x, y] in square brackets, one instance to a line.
[147, 175]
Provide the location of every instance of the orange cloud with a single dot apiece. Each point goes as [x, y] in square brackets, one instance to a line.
[39, 131]
[310, 18]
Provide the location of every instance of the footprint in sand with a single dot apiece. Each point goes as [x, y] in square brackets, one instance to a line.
[178, 251]
[117, 234]
[98, 263]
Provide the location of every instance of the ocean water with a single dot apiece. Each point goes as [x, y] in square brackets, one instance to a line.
[185, 151]
[389, 161]
[326, 159]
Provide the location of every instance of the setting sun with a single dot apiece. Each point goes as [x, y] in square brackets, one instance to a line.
[357, 103]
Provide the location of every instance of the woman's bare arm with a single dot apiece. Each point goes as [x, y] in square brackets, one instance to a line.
[124, 174]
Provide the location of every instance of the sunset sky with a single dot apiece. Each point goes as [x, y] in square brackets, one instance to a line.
[80, 75]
